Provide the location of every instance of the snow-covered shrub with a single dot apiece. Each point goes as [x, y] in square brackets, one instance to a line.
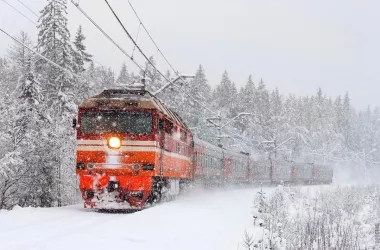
[266, 232]
[342, 218]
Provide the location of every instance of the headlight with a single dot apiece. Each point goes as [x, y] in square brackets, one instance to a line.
[136, 166]
[90, 166]
[114, 142]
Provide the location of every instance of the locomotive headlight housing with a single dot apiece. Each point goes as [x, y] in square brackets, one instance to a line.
[114, 142]
[90, 165]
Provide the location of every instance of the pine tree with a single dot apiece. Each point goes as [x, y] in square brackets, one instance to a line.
[60, 98]
[107, 78]
[225, 95]
[153, 78]
[54, 43]
[80, 55]
[199, 87]
[346, 123]
[247, 96]
[123, 78]
[25, 118]
[276, 103]
[338, 115]
[262, 110]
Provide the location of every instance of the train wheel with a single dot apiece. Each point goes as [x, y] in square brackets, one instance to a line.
[156, 193]
[157, 196]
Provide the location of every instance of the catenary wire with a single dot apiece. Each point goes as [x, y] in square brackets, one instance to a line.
[130, 37]
[167, 61]
[134, 42]
[137, 37]
[28, 8]
[41, 56]
[151, 38]
[36, 24]
[106, 35]
[30, 20]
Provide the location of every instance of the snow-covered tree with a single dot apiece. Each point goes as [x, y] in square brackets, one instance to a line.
[80, 55]
[225, 96]
[123, 78]
[59, 93]
[153, 78]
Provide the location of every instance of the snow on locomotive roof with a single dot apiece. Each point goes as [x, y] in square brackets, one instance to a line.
[130, 98]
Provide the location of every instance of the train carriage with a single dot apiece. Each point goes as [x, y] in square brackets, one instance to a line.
[260, 172]
[236, 166]
[322, 174]
[281, 172]
[209, 162]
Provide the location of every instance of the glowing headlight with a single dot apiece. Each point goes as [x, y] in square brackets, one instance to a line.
[114, 142]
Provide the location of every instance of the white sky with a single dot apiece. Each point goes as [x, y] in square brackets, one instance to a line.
[296, 45]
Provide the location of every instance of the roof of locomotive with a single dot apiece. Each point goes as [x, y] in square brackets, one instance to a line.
[125, 99]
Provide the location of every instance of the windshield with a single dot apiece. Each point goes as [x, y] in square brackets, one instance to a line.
[116, 122]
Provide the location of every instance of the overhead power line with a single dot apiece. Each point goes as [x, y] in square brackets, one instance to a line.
[28, 8]
[30, 20]
[134, 42]
[36, 25]
[151, 38]
[38, 54]
[41, 56]
[167, 61]
[105, 34]
[131, 58]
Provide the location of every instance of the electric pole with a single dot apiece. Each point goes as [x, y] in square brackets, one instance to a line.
[217, 122]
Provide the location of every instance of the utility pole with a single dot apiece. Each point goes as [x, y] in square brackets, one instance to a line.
[218, 124]
[273, 147]
[365, 158]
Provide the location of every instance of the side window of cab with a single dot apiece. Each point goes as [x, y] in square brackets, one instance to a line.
[161, 124]
[169, 126]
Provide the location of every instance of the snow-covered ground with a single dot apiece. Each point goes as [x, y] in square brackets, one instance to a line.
[200, 219]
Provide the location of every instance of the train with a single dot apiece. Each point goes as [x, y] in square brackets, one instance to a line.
[132, 150]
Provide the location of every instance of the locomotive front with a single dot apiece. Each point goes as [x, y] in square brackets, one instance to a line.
[117, 149]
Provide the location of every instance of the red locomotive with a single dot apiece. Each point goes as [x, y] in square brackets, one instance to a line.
[132, 150]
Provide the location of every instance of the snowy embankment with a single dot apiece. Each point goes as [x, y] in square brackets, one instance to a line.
[310, 217]
[201, 219]
[314, 217]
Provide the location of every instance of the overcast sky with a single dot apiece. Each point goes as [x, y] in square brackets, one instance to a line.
[296, 45]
